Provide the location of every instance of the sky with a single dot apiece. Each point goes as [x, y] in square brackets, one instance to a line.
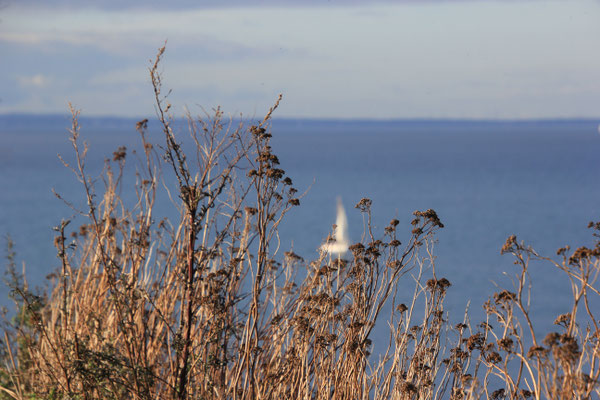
[511, 59]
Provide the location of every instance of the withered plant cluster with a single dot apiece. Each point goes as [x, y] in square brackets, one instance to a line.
[209, 306]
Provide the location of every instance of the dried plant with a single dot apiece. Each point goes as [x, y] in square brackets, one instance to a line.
[208, 306]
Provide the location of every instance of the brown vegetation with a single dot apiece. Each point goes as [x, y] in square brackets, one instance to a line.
[207, 307]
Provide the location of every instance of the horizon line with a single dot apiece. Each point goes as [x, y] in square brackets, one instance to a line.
[4, 115]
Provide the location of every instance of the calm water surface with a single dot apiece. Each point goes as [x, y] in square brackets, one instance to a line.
[486, 180]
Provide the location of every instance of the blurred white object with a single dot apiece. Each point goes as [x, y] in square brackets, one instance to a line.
[340, 243]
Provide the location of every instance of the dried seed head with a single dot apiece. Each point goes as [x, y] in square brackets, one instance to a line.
[475, 341]
[291, 256]
[275, 173]
[430, 217]
[417, 231]
[504, 297]
[526, 393]
[563, 319]
[457, 393]
[120, 153]
[485, 326]
[357, 249]
[409, 388]
[582, 254]
[537, 352]
[568, 351]
[141, 125]
[506, 344]
[509, 245]
[551, 339]
[438, 284]
[364, 204]
[493, 358]
[83, 230]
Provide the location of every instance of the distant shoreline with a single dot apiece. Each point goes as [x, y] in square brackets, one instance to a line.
[16, 120]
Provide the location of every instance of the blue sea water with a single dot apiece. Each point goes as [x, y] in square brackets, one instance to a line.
[487, 180]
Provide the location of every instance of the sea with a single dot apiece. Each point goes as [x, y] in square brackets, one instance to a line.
[539, 180]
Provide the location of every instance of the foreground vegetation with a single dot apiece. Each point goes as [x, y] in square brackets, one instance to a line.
[208, 306]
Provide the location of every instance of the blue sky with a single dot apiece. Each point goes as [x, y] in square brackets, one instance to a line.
[336, 59]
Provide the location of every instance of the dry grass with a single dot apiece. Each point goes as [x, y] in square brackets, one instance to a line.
[207, 306]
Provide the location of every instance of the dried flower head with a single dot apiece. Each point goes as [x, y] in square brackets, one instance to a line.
[508, 247]
[409, 388]
[401, 308]
[120, 153]
[141, 125]
[526, 393]
[504, 297]
[364, 205]
[563, 319]
[506, 344]
[537, 352]
[493, 358]
[430, 216]
[475, 341]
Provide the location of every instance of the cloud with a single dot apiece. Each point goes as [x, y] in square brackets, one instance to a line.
[51, 41]
[37, 80]
[25, 38]
[200, 34]
[200, 4]
[458, 58]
